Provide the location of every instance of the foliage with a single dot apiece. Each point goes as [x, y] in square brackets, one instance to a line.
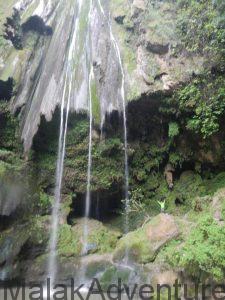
[13, 30]
[215, 183]
[200, 26]
[203, 251]
[173, 129]
[203, 102]
[137, 204]
[176, 159]
[44, 201]
[68, 242]
[8, 128]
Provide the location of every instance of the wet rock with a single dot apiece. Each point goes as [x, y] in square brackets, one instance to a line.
[143, 244]
[100, 239]
[11, 243]
[126, 274]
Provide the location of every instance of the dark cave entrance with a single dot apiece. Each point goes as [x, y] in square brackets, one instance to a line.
[7, 221]
[6, 89]
[104, 206]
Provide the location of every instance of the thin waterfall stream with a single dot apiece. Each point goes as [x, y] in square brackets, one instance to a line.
[122, 94]
[89, 166]
[52, 263]
[89, 169]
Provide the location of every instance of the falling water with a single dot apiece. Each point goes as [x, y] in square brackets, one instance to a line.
[122, 94]
[88, 192]
[52, 269]
[59, 174]
[89, 168]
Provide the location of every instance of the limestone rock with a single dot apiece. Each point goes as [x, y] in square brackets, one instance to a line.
[143, 244]
[161, 230]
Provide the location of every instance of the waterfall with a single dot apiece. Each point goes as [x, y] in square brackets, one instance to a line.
[88, 192]
[71, 93]
[122, 95]
[89, 167]
[52, 264]
[59, 174]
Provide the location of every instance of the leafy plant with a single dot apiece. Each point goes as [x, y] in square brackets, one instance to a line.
[13, 30]
[203, 102]
[201, 27]
[44, 200]
[173, 129]
[203, 252]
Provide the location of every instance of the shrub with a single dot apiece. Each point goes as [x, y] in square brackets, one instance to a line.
[203, 251]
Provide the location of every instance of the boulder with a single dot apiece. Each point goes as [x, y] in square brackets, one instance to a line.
[11, 243]
[143, 244]
[100, 239]
[161, 230]
[161, 274]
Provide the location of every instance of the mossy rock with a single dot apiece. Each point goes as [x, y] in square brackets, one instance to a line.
[113, 274]
[68, 242]
[11, 242]
[124, 274]
[100, 239]
[143, 245]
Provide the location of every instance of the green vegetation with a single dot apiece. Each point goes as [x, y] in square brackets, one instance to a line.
[13, 30]
[207, 35]
[204, 100]
[202, 253]
[198, 106]
[68, 243]
[9, 137]
[173, 130]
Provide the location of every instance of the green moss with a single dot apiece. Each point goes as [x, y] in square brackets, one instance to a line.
[68, 242]
[37, 231]
[95, 267]
[100, 237]
[137, 246]
[104, 239]
[96, 104]
[112, 275]
[214, 184]
[3, 169]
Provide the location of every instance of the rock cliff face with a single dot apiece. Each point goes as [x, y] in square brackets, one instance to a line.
[149, 47]
[43, 80]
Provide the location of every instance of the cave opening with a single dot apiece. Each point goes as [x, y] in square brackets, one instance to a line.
[6, 89]
[105, 206]
[7, 221]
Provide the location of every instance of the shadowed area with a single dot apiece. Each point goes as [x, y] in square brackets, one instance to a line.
[6, 89]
